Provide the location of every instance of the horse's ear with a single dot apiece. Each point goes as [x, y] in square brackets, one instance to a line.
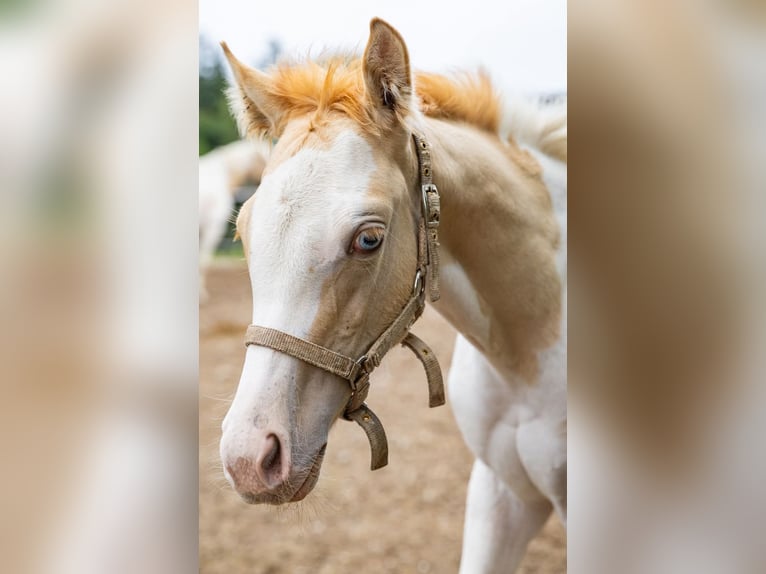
[387, 71]
[257, 111]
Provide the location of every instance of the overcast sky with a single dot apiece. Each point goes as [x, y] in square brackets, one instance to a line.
[521, 42]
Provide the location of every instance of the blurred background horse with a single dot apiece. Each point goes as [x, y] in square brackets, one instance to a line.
[227, 176]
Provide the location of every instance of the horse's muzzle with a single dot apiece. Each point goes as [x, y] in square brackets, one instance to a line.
[271, 476]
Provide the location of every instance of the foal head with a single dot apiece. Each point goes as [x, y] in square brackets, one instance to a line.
[330, 244]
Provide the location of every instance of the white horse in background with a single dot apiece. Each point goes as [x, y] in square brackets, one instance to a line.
[221, 172]
[332, 246]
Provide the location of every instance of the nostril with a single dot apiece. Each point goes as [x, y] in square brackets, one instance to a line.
[269, 465]
[271, 448]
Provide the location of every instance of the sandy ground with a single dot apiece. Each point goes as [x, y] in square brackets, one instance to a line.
[406, 517]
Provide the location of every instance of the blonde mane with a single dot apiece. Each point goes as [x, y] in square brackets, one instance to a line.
[336, 84]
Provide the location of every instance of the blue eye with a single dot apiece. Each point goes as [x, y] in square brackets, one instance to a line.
[368, 239]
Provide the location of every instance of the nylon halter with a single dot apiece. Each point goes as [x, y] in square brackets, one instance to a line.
[357, 371]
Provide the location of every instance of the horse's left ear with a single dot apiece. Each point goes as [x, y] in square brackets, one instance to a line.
[387, 71]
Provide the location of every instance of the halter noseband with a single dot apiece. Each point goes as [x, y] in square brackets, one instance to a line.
[357, 372]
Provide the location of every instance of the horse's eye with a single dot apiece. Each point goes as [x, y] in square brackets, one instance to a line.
[368, 239]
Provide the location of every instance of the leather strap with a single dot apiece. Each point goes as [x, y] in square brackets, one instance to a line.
[357, 372]
[431, 365]
[395, 332]
[431, 214]
[306, 351]
[373, 428]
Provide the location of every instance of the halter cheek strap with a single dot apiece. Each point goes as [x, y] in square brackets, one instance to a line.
[357, 371]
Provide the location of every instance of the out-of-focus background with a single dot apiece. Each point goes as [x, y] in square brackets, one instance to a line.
[667, 189]
[407, 517]
[98, 286]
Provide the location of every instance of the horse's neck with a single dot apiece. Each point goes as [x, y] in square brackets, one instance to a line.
[501, 285]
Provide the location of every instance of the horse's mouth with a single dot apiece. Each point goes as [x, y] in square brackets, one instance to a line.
[311, 478]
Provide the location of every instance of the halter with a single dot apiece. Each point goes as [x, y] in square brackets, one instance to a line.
[357, 371]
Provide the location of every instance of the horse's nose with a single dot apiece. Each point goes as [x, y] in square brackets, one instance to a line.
[269, 465]
[264, 472]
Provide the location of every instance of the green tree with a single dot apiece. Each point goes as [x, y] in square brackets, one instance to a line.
[216, 126]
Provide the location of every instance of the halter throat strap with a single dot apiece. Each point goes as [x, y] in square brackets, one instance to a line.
[357, 371]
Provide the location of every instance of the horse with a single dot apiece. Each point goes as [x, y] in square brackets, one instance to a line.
[386, 188]
[221, 172]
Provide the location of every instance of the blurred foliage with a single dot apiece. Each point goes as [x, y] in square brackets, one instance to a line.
[216, 126]
[17, 9]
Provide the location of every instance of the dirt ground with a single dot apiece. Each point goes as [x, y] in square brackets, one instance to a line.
[406, 517]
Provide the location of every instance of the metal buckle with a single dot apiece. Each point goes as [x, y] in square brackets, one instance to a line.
[360, 372]
[419, 286]
[424, 189]
[432, 219]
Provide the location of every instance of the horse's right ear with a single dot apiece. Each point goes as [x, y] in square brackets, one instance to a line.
[386, 67]
[257, 111]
